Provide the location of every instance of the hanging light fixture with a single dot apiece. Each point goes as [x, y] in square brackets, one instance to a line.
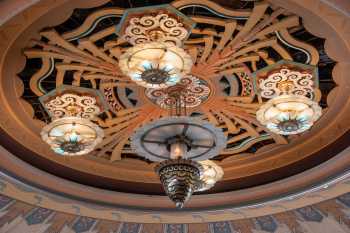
[71, 132]
[72, 136]
[211, 174]
[290, 89]
[178, 142]
[289, 114]
[155, 64]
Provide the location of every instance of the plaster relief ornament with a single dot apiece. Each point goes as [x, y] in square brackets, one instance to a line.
[195, 91]
[287, 81]
[155, 65]
[71, 132]
[162, 23]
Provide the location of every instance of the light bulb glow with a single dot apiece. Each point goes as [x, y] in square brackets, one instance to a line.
[211, 174]
[72, 136]
[177, 150]
[289, 114]
[156, 64]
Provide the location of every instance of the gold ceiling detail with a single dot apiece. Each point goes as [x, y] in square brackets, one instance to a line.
[161, 23]
[195, 91]
[230, 46]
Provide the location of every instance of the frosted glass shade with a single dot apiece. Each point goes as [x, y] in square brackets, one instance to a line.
[155, 65]
[72, 136]
[212, 173]
[289, 114]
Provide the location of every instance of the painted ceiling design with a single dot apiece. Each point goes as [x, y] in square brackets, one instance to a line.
[328, 216]
[227, 46]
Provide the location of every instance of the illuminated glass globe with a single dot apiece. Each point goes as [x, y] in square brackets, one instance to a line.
[211, 174]
[72, 136]
[155, 64]
[289, 114]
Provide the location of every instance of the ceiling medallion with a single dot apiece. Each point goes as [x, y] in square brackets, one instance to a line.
[71, 132]
[162, 23]
[290, 87]
[195, 91]
[155, 65]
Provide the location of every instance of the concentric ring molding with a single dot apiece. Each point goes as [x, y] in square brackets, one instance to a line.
[317, 16]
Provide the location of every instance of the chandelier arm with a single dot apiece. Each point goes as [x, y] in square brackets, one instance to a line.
[155, 142]
[202, 146]
[184, 131]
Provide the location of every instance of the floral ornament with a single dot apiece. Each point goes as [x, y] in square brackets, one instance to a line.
[162, 23]
[73, 105]
[287, 81]
[195, 91]
[159, 28]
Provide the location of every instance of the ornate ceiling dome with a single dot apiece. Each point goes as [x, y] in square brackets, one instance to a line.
[234, 48]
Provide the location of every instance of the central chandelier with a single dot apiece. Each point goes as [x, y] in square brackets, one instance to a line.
[179, 143]
[155, 64]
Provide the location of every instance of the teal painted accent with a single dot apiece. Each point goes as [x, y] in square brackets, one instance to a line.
[220, 227]
[131, 228]
[38, 216]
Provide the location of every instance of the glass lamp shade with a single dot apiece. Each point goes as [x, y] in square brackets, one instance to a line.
[155, 64]
[72, 136]
[177, 150]
[211, 174]
[289, 114]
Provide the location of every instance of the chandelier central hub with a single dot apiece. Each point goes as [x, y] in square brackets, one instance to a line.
[155, 76]
[290, 125]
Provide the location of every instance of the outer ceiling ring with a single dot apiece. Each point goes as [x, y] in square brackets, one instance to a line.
[325, 14]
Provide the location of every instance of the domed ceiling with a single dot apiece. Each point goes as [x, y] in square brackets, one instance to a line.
[231, 43]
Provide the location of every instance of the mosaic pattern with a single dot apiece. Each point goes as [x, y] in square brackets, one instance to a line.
[220, 227]
[38, 216]
[175, 228]
[330, 216]
[83, 224]
[310, 214]
[131, 228]
[266, 223]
